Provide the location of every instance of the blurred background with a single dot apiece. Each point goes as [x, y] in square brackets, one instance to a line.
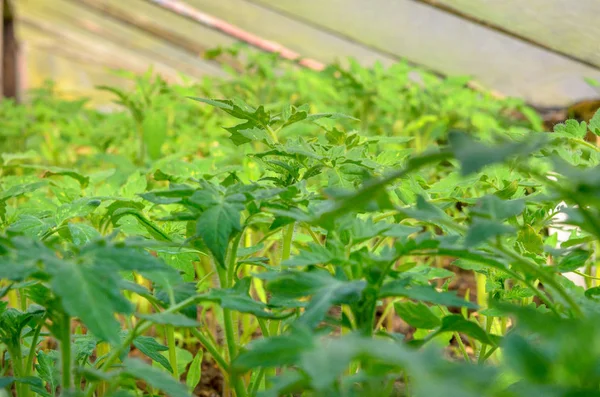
[544, 51]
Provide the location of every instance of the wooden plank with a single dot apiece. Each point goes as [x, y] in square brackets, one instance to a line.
[307, 40]
[3, 4]
[93, 25]
[441, 42]
[78, 60]
[10, 82]
[74, 47]
[177, 25]
[566, 26]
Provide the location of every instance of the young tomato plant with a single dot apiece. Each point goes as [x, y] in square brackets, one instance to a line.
[380, 241]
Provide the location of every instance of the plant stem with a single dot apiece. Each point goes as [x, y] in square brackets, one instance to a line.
[28, 369]
[461, 347]
[102, 349]
[170, 331]
[65, 351]
[226, 281]
[256, 383]
[13, 298]
[312, 234]
[17, 366]
[211, 348]
[288, 235]
[586, 275]
[23, 300]
[142, 148]
[140, 328]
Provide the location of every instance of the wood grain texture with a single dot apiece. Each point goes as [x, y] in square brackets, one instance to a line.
[76, 47]
[567, 26]
[310, 41]
[447, 44]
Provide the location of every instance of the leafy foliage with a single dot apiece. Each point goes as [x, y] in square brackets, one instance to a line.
[323, 239]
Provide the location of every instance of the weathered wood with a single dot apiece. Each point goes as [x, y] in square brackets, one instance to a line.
[75, 46]
[308, 40]
[439, 41]
[154, 27]
[10, 54]
[566, 26]
[3, 4]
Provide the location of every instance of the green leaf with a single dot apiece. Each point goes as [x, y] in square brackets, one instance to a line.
[315, 254]
[47, 370]
[151, 348]
[572, 127]
[91, 295]
[482, 230]
[238, 298]
[333, 116]
[574, 260]
[335, 293]
[498, 209]
[174, 319]
[115, 257]
[257, 120]
[78, 208]
[594, 123]
[474, 155]
[195, 371]
[276, 351]
[526, 360]
[155, 378]
[150, 226]
[82, 234]
[154, 129]
[241, 134]
[531, 240]
[457, 323]
[417, 314]
[30, 226]
[19, 190]
[50, 171]
[423, 293]
[184, 357]
[217, 225]
[6, 381]
[174, 195]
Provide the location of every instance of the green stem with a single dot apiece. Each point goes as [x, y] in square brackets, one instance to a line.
[488, 328]
[65, 351]
[530, 266]
[461, 347]
[211, 348]
[140, 328]
[585, 275]
[481, 294]
[170, 330]
[312, 234]
[263, 327]
[142, 148]
[256, 383]
[226, 281]
[543, 276]
[17, 366]
[272, 134]
[23, 300]
[34, 339]
[288, 235]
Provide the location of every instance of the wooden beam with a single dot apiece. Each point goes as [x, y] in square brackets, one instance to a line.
[148, 25]
[568, 27]
[436, 40]
[10, 53]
